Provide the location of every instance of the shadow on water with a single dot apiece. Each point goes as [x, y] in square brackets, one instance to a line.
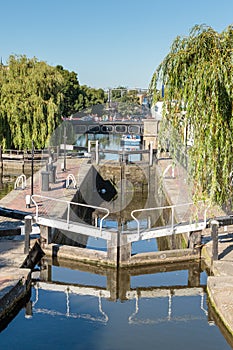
[21, 304]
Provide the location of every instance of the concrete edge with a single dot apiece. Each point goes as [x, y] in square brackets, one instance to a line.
[215, 284]
[95, 257]
[78, 254]
[161, 257]
[15, 292]
[15, 286]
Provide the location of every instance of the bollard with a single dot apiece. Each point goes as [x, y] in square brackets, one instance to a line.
[28, 310]
[52, 174]
[45, 181]
[28, 230]
[214, 234]
[28, 200]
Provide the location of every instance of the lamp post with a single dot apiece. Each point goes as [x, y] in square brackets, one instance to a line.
[64, 146]
[32, 169]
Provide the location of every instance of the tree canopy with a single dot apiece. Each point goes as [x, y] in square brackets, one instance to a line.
[34, 97]
[30, 102]
[197, 75]
[122, 94]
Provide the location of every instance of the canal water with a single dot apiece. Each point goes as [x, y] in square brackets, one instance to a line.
[110, 142]
[74, 306]
[122, 220]
[7, 180]
[73, 309]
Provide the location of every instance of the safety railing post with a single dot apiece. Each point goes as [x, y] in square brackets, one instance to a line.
[97, 152]
[173, 218]
[214, 234]
[68, 213]
[28, 230]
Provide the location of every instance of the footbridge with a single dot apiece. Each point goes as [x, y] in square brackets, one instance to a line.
[128, 126]
[53, 213]
[148, 129]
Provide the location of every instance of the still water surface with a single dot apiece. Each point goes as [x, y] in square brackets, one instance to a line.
[146, 320]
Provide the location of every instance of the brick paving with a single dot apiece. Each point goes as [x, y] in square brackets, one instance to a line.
[16, 199]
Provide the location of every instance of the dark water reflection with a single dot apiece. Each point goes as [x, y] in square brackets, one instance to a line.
[77, 307]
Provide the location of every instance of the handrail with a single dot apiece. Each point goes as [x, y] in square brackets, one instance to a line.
[68, 207]
[172, 207]
[72, 178]
[23, 179]
[167, 168]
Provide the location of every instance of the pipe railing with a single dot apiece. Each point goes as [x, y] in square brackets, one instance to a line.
[68, 204]
[21, 179]
[172, 208]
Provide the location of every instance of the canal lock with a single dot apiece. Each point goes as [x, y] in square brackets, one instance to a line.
[121, 188]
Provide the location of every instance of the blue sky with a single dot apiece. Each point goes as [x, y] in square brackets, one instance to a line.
[106, 42]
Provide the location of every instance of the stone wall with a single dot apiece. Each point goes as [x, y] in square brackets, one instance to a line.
[151, 130]
[135, 177]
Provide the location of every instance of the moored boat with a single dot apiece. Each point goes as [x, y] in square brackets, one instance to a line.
[131, 140]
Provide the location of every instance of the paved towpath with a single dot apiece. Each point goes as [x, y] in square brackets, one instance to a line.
[16, 199]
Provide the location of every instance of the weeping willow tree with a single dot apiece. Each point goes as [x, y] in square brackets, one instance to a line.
[197, 74]
[33, 98]
[30, 102]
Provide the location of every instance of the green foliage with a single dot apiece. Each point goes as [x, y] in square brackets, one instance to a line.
[70, 91]
[78, 98]
[30, 102]
[197, 74]
[89, 97]
[33, 98]
[122, 94]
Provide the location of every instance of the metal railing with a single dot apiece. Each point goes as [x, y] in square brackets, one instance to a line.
[172, 208]
[71, 178]
[40, 202]
[20, 179]
[68, 206]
